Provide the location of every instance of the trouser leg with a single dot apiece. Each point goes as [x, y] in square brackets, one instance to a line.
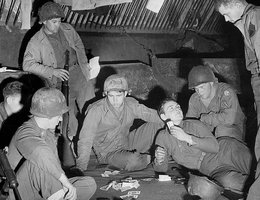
[35, 184]
[86, 187]
[255, 83]
[73, 121]
[80, 91]
[232, 164]
[230, 179]
[254, 190]
[229, 131]
[128, 160]
[142, 138]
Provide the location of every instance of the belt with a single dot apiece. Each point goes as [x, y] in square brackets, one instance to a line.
[201, 159]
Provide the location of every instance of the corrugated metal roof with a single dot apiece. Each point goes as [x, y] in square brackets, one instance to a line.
[175, 16]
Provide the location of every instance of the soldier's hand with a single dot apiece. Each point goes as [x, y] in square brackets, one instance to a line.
[179, 133]
[160, 154]
[71, 193]
[61, 74]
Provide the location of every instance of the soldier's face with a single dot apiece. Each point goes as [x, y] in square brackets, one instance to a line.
[54, 121]
[52, 26]
[172, 111]
[116, 98]
[231, 12]
[204, 90]
[14, 102]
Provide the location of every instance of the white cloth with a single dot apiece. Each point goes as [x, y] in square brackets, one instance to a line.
[154, 5]
[92, 4]
[26, 9]
[94, 67]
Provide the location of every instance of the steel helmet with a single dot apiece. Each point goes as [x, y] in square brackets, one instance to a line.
[115, 82]
[48, 102]
[200, 74]
[203, 187]
[49, 11]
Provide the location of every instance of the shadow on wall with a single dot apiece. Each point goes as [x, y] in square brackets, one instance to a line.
[156, 95]
[189, 59]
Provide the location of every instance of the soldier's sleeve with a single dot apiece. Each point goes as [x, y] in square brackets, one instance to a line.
[160, 141]
[32, 62]
[254, 32]
[86, 137]
[193, 108]
[144, 113]
[228, 110]
[37, 151]
[203, 138]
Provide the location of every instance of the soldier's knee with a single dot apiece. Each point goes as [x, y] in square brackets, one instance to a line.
[233, 181]
[137, 161]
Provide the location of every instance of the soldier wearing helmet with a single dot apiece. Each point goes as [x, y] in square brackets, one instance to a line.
[41, 175]
[191, 144]
[45, 56]
[106, 129]
[215, 104]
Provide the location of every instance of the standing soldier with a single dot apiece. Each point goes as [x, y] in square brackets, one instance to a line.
[45, 56]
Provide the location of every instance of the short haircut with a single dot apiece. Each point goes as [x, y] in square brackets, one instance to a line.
[163, 102]
[12, 88]
[218, 3]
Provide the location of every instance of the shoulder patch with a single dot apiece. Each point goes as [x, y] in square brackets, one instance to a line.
[251, 30]
[226, 93]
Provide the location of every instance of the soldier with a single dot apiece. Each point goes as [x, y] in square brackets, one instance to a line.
[12, 93]
[40, 174]
[215, 104]
[45, 56]
[11, 105]
[106, 129]
[191, 144]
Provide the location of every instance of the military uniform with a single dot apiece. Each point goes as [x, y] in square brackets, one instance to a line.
[249, 25]
[38, 175]
[108, 133]
[223, 115]
[45, 52]
[3, 114]
[230, 166]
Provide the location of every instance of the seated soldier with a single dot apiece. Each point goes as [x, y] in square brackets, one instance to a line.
[12, 100]
[215, 104]
[191, 144]
[33, 154]
[106, 129]
[12, 94]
